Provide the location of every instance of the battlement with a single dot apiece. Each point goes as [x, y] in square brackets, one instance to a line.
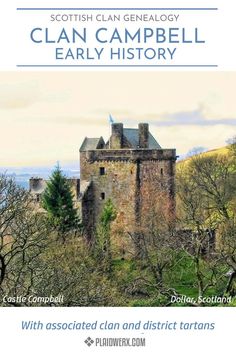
[131, 155]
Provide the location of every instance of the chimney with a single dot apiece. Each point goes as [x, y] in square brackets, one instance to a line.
[143, 135]
[116, 140]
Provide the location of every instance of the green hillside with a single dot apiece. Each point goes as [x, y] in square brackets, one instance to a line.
[222, 151]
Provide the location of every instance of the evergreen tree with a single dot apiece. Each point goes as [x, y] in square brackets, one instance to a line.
[103, 239]
[57, 200]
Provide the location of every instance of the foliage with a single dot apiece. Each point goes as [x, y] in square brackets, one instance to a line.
[74, 274]
[108, 214]
[57, 200]
[176, 255]
[206, 192]
[34, 262]
[23, 236]
[102, 247]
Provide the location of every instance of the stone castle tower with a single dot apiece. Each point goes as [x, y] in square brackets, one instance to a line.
[132, 170]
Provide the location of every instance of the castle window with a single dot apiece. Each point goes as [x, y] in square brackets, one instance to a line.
[102, 195]
[161, 171]
[102, 171]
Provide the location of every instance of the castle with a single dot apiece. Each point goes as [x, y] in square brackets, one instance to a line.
[131, 169]
[37, 186]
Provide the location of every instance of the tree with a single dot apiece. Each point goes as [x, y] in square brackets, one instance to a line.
[232, 152]
[227, 249]
[103, 239]
[205, 192]
[57, 200]
[23, 237]
[33, 262]
[70, 270]
[155, 248]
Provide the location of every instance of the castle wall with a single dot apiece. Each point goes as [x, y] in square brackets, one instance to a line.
[157, 202]
[87, 211]
[117, 183]
[137, 181]
[128, 155]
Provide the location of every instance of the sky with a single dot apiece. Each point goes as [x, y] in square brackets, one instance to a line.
[45, 116]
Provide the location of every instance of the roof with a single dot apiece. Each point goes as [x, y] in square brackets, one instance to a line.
[132, 135]
[131, 141]
[92, 144]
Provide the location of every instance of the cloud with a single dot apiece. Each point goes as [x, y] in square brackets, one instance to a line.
[185, 137]
[18, 95]
[23, 94]
[45, 116]
[113, 111]
[195, 117]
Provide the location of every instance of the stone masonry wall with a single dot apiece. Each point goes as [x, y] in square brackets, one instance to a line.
[132, 179]
[117, 183]
[156, 191]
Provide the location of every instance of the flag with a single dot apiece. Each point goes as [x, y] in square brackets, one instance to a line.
[111, 120]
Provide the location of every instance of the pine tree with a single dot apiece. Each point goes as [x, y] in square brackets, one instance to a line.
[57, 200]
[103, 239]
